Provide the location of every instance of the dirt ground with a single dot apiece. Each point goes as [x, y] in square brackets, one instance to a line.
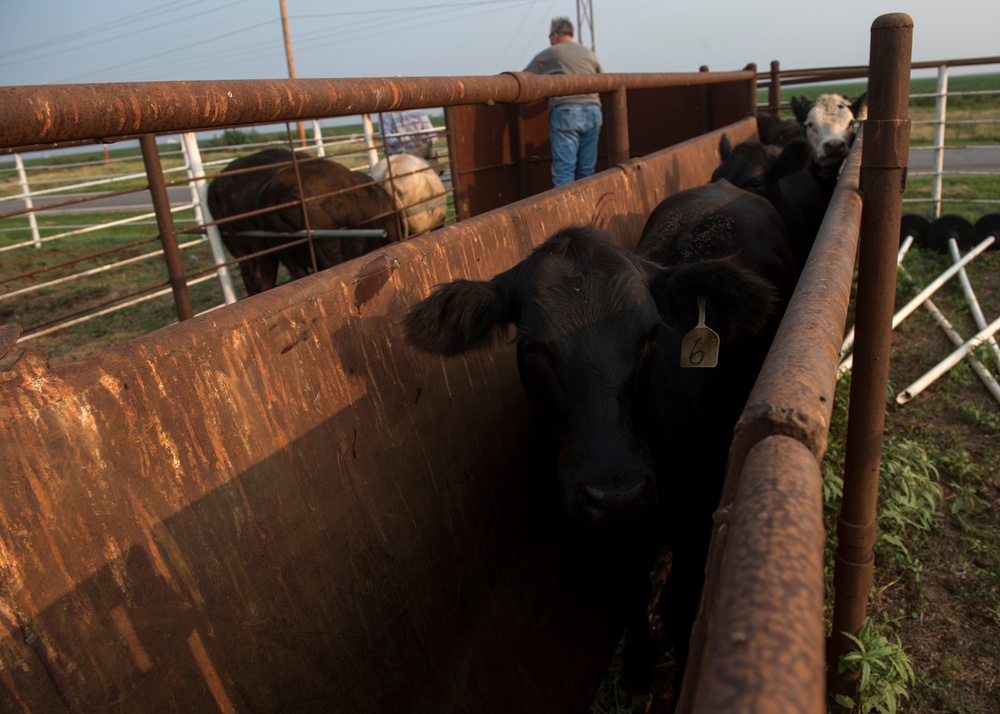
[947, 615]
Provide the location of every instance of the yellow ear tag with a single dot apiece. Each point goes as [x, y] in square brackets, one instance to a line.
[700, 347]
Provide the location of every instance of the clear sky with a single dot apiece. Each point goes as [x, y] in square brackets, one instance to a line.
[80, 41]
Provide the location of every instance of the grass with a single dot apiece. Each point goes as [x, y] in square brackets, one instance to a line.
[54, 260]
[938, 556]
[935, 599]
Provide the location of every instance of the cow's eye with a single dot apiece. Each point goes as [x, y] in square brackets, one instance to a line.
[654, 332]
[529, 348]
[757, 185]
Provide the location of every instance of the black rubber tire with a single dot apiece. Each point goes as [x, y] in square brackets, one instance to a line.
[989, 225]
[913, 224]
[950, 225]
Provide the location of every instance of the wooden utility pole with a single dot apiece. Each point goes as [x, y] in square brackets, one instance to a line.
[290, 57]
[585, 15]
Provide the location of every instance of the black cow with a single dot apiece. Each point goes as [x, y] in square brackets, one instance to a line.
[778, 132]
[343, 199]
[784, 176]
[637, 444]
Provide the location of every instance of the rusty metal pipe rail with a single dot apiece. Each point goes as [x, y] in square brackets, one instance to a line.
[32, 115]
[766, 546]
[756, 661]
[821, 74]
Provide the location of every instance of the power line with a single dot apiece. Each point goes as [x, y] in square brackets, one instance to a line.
[149, 58]
[399, 19]
[28, 56]
[47, 43]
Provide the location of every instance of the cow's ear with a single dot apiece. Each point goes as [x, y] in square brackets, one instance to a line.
[738, 301]
[800, 107]
[725, 147]
[794, 157]
[859, 107]
[457, 317]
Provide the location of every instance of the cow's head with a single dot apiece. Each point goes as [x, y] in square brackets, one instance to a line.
[757, 167]
[592, 322]
[829, 123]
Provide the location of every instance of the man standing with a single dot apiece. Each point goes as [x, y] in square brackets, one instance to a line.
[395, 127]
[574, 121]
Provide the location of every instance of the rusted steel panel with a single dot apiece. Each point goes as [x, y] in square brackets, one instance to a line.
[660, 117]
[498, 154]
[279, 506]
[764, 649]
[501, 154]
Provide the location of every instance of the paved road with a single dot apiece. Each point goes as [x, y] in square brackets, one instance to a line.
[140, 201]
[978, 159]
[921, 162]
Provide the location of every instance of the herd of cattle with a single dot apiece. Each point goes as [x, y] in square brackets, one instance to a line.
[275, 192]
[637, 442]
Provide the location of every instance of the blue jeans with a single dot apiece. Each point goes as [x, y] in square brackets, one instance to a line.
[573, 132]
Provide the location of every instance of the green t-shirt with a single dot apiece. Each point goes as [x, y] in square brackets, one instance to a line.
[567, 58]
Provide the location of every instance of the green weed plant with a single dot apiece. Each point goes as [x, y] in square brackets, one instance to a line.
[884, 672]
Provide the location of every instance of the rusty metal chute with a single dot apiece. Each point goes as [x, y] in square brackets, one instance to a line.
[281, 506]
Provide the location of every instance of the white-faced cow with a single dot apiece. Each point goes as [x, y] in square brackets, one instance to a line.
[637, 443]
[418, 191]
[782, 175]
[829, 124]
[341, 199]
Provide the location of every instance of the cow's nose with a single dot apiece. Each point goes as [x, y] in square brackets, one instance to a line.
[835, 148]
[601, 503]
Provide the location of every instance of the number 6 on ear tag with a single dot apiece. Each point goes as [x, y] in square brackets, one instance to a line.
[700, 347]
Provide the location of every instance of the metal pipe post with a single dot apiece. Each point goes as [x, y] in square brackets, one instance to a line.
[774, 90]
[752, 91]
[617, 115]
[22, 177]
[940, 113]
[318, 138]
[883, 179]
[369, 129]
[199, 195]
[165, 224]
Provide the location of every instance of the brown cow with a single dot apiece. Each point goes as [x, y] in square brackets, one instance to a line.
[342, 199]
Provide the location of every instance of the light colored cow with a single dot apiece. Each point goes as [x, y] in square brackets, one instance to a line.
[829, 124]
[417, 190]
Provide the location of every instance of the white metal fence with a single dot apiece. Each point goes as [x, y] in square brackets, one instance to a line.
[940, 149]
[35, 191]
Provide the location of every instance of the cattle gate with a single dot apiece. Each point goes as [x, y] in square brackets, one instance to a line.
[281, 506]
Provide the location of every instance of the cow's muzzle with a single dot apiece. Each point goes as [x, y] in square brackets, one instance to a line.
[599, 503]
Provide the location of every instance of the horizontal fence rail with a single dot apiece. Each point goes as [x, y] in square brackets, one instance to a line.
[41, 114]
